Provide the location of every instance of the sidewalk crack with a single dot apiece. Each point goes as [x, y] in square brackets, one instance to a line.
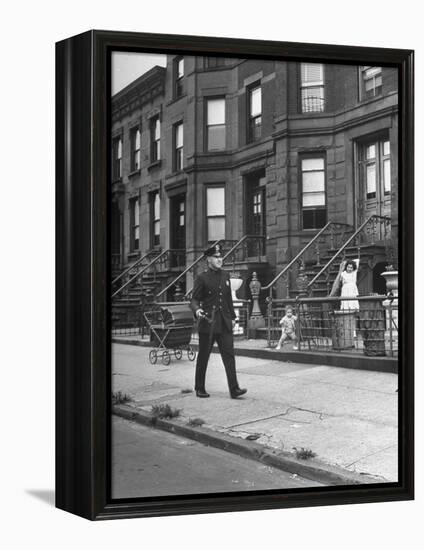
[367, 456]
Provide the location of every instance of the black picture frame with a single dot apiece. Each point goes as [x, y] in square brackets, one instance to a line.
[82, 275]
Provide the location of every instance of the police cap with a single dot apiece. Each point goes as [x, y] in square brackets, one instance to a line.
[215, 250]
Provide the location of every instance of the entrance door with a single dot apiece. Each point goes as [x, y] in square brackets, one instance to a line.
[374, 190]
[178, 227]
[255, 219]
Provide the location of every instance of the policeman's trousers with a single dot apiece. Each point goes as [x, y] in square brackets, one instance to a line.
[226, 348]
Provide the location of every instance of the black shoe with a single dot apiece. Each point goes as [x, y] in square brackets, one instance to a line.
[202, 393]
[237, 393]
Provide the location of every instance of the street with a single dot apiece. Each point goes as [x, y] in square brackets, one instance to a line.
[148, 462]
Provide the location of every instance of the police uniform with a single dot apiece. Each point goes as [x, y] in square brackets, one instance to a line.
[212, 295]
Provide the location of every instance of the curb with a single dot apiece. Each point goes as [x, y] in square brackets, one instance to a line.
[313, 469]
[346, 361]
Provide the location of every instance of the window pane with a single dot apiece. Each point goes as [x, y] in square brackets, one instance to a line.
[387, 179]
[314, 219]
[386, 148]
[136, 212]
[371, 152]
[137, 232]
[312, 164]
[179, 136]
[215, 201]
[370, 179]
[137, 139]
[157, 129]
[255, 102]
[216, 138]
[216, 229]
[314, 199]
[180, 68]
[119, 152]
[313, 181]
[157, 207]
[312, 73]
[216, 111]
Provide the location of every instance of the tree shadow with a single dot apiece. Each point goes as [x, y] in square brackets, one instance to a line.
[46, 495]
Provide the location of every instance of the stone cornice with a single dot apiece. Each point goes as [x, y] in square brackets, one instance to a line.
[143, 90]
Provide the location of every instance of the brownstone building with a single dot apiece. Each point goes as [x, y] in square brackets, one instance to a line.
[261, 155]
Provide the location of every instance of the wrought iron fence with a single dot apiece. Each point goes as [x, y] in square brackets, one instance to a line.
[366, 324]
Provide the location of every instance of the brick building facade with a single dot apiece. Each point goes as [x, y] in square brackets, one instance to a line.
[220, 148]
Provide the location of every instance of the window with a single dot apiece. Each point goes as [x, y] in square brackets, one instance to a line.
[155, 219]
[312, 87]
[134, 224]
[178, 146]
[213, 62]
[178, 76]
[314, 211]
[135, 138]
[154, 139]
[215, 120]
[255, 112]
[215, 213]
[376, 169]
[117, 159]
[371, 82]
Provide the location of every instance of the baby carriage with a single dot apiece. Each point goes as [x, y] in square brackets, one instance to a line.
[170, 331]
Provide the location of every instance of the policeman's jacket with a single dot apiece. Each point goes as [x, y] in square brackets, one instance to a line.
[212, 293]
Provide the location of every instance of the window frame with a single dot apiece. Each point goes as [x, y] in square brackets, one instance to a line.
[378, 161]
[207, 125]
[218, 185]
[178, 152]
[251, 134]
[363, 96]
[117, 146]
[134, 246]
[154, 222]
[155, 149]
[315, 209]
[178, 80]
[304, 86]
[133, 150]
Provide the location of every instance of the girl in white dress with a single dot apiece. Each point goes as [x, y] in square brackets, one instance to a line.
[348, 272]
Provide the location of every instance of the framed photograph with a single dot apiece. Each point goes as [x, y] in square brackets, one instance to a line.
[234, 275]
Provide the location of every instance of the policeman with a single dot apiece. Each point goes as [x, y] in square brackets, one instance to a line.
[212, 305]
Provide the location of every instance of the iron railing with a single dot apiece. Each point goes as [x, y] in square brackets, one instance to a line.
[161, 262]
[369, 226]
[368, 326]
[330, 227]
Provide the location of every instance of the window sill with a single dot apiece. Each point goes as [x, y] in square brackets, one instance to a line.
[116, 181]
[154, 164]
[134, 173]
[133, 255]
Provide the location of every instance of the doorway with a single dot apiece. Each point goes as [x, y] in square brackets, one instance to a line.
[255, 212]
[374, 185]
[178, 227]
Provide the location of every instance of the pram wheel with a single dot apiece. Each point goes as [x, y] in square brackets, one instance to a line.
[191, 354]
[153, 356]
[166, 358]
[178, 353]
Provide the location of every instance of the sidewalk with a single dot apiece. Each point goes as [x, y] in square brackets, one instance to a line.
[347, 417]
